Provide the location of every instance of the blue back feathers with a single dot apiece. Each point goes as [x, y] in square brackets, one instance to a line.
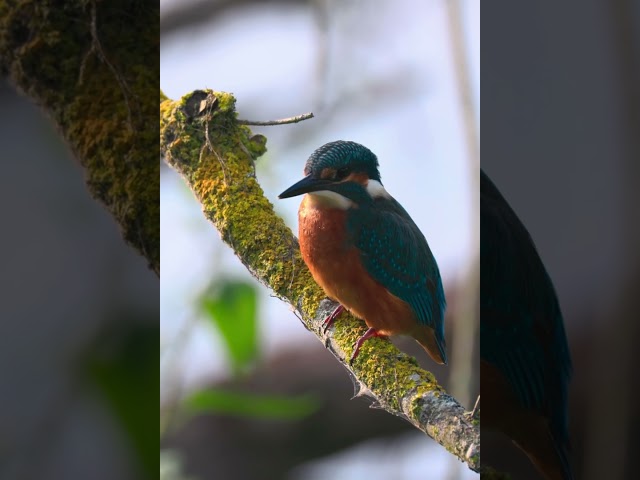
[395, 253]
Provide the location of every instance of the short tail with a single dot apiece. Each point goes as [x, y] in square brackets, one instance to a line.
[433, 343]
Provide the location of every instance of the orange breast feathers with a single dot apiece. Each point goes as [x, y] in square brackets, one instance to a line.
[335, 265]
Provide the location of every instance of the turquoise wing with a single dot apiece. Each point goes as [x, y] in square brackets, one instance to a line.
[396, 254]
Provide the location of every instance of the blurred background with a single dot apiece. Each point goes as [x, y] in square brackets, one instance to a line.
[78, 318]
[246, 391]
[561, 140]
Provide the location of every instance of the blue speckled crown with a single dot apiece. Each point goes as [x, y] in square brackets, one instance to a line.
[343, 154]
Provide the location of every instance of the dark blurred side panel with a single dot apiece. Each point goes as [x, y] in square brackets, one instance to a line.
[560, 139]
[79, 308]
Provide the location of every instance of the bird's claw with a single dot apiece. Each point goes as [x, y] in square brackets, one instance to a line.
[372, 332]
[327, 322]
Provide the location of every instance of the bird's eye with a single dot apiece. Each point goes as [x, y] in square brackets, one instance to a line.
[342, 173]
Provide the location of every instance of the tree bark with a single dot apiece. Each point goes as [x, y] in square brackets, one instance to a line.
[201, 138]
[94, 68]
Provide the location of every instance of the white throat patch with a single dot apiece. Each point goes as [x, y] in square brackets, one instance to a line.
[376, 190]
[330, 199]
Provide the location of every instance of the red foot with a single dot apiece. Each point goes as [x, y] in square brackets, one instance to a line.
[368, 334]
[332, 318]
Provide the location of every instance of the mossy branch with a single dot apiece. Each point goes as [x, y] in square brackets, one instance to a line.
[200, 137]
[87, 64]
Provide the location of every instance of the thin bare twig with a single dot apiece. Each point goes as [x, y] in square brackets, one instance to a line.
[476, 408]
[284, 121]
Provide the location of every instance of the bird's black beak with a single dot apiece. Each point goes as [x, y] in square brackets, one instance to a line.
[306, 185]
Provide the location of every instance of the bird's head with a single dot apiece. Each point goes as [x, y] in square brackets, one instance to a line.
[344, 174]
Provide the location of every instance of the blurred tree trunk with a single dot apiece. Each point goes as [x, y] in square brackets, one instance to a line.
[89, 66]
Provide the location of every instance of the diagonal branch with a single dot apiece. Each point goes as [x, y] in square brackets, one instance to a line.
[201, 138]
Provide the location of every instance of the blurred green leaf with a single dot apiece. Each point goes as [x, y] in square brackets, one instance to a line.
[125, 369]
[252, 405]
[232, 308]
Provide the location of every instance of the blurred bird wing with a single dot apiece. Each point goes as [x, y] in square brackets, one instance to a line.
[521, 328]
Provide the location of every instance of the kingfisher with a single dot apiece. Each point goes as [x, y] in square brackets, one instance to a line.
[525, 364]
[365, 251]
